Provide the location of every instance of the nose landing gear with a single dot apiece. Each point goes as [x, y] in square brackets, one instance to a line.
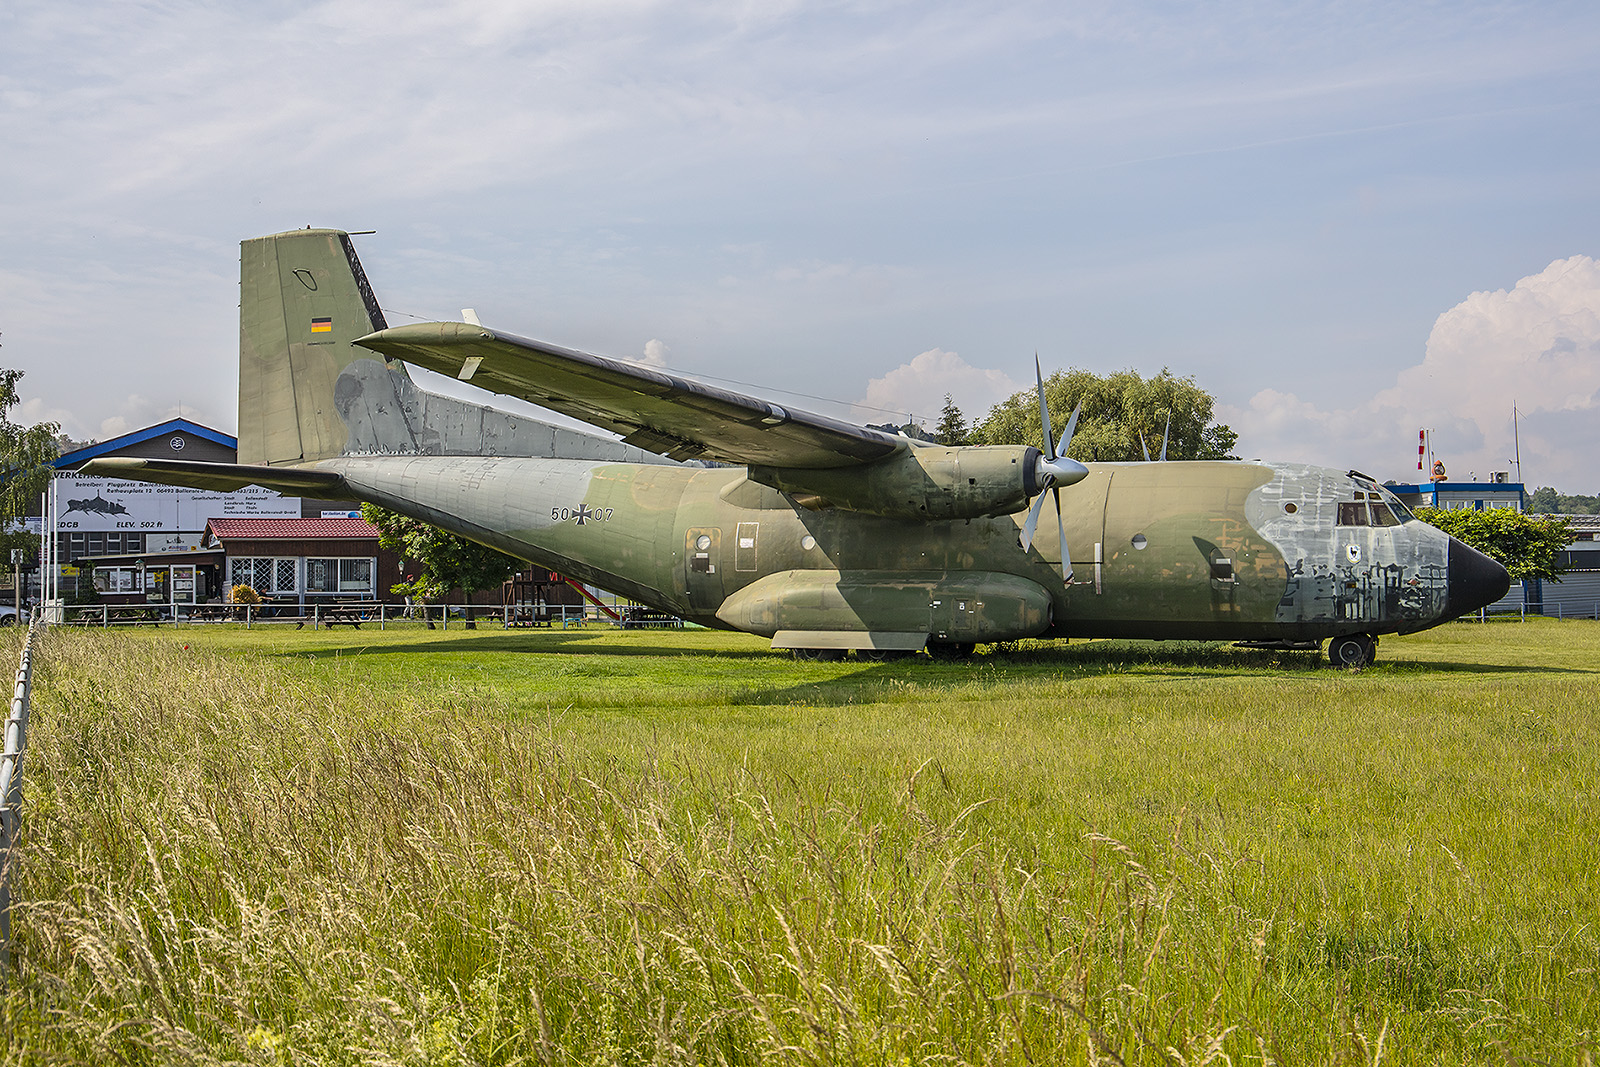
[1353, 650]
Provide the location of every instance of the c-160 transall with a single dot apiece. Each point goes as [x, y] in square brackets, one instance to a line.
[823, 535]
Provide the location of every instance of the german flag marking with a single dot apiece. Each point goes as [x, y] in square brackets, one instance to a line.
[322, 325]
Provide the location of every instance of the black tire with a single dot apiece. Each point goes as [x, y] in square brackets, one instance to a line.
[881, 655]
[8, 620]
[1352, 650]
[949, 650]
[819, 655]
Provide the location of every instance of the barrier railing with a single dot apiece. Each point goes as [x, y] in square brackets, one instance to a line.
[344, 613]
[16, 740]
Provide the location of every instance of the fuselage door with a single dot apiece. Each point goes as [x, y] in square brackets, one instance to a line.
[744, 550]
[702, 579]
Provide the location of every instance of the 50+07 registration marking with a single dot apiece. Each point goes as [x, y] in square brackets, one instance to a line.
[581, 514]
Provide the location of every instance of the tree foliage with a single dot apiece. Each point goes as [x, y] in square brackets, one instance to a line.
[952, 429]
[438, 561]
[1526, 546]
[1117, 409]
[1546, 501]
[25, 454]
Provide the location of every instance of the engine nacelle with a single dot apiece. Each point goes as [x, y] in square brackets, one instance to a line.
[960, 606]
[920, 483]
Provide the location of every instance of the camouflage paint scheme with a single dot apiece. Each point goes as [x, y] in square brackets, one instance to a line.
[825, 535]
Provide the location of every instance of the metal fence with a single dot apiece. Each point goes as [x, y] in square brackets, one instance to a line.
[561, 616]
[1521, 611]
[16, 739]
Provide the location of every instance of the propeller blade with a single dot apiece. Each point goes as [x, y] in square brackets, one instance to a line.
[1066, 554]
[1044, 410]
[1031, 523]
[1165, 435]
[1072, 427]
[1144, 446]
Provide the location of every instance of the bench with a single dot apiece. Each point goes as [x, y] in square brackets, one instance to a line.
[638, 618]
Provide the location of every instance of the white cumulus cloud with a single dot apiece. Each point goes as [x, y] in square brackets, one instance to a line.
[1536, 345]
[918, 388]
[655, 353]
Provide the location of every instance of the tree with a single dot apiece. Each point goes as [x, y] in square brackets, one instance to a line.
[1117, 409]
[25, 455]
[1547, 501]
[1526, 546]
[442, 560]
[952, 429]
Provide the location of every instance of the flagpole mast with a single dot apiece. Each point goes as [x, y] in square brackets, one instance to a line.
[1516, 442]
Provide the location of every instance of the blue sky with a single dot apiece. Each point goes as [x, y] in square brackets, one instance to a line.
[1346, 221]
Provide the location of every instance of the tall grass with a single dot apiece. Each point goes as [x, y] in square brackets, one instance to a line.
[370, 850]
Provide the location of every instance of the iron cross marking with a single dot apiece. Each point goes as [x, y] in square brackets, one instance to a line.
[584, 514]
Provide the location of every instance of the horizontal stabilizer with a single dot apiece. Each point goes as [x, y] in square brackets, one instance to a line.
[220, 477]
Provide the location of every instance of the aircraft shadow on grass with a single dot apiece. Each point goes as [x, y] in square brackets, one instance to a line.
[1202, 661]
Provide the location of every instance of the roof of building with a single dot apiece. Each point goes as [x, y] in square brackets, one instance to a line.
[103, 448]
[1586, 523]
[289, 529]
[1453, 487]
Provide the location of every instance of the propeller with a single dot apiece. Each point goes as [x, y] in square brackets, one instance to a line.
[1052, 471]
[1166, 435]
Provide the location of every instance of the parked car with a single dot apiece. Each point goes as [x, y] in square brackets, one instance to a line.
[8, 615]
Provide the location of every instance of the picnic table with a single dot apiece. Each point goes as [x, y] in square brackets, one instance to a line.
[351, 614]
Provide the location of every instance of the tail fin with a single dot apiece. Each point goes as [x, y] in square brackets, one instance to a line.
[303, 298]
[306, 393]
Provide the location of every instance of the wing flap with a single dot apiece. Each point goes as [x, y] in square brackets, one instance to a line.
[681, 418]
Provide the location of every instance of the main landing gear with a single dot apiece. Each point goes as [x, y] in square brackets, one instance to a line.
[1353, 650]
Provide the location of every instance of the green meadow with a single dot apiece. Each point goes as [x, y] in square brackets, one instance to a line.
[678, 847]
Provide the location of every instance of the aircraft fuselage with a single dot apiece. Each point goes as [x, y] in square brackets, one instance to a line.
[1198, 550]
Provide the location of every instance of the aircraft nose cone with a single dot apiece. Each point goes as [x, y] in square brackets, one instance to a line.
[1473, 580]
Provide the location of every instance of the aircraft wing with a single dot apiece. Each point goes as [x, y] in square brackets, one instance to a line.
[662, 413]
[221, 477]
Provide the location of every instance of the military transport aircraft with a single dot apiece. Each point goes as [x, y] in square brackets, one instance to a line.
[823, 535]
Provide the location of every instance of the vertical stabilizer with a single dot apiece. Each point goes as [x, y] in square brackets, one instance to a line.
[303, 298]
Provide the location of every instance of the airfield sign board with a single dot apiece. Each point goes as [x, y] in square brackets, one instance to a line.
[112, 505]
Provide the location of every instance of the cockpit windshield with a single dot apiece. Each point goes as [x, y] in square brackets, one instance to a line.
[1401, 512]
[1373, 506]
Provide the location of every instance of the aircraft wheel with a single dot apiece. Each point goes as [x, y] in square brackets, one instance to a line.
[820, 655]
[947, 650]
[1354, 650]
[881, 655]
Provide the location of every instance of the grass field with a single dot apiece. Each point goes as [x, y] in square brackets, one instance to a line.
[597, 847]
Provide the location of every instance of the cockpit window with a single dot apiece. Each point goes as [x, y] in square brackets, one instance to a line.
[1401, 512]
[1385, 508]
[1353, 514]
